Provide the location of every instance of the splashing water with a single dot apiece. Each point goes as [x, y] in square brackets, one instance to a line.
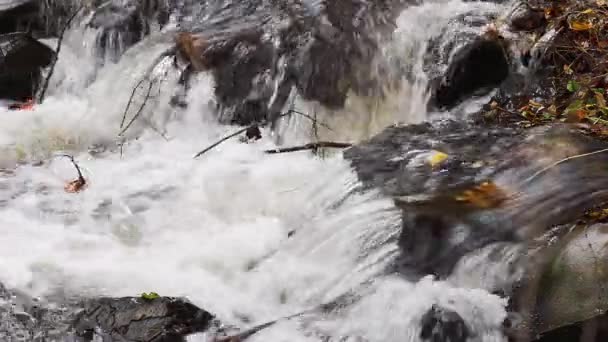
[215, 229]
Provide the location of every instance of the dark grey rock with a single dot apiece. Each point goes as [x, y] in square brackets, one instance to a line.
[474, 69]
[525, 18]
[437, 228]
[21, 60]
[443, 325]
[139, 320]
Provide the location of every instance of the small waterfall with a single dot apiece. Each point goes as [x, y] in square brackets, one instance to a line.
[239, 232]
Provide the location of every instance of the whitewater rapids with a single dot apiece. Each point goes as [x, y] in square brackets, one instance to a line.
[214, 229]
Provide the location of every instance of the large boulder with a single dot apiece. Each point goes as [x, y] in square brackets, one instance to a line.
[129, 319]
[21, 60]
[463, 187]
[260, 52]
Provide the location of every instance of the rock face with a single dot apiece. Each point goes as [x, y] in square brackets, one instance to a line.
[256, 49]
[139, 320]
[21, 60]
[463, 187]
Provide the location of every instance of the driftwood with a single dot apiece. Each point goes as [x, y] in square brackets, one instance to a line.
[310, 146]
[56, 57]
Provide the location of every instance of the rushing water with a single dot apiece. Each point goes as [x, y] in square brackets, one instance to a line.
[217, 229]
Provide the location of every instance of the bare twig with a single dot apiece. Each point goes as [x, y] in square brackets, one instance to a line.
[139, 111]
[221, 141]
[77, 184]
[289, 112]
[71, 158]
[56, 56]
[124, 116]
[561, 161]
[310, 146]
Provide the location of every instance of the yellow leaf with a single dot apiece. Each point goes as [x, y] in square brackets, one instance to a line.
[587, 11]
[437, 158]
[601, 101]
[576, 25]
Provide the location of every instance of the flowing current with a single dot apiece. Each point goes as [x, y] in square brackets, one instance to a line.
[247, 236]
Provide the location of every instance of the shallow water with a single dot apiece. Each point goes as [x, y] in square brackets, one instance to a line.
[214, 229]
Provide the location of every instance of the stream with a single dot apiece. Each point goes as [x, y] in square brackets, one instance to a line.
[246, 235]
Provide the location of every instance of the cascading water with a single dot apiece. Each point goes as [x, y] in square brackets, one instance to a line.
[241, 233]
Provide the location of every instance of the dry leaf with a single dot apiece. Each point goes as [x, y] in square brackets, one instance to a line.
[486, 195]
[76, 185]
[601, 101]
[580, 25]
[568, 70]
[600, 2]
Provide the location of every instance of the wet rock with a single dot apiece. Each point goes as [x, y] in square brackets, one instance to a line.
[271, 49]
[124, 23]
[139, 320]
[462, 187]
[21, 61]
[443, 325]
[17, 15]
[474, 69]
[525, 18]
[574, 287]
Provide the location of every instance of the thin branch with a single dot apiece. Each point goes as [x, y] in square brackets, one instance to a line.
[124, 116]
[71, 158]
[289, 112]
[313, 119]
[310, 146]
[561, 161]
[56, 56]
[139, 111]
[221, 141]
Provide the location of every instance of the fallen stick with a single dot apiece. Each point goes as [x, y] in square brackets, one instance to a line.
[310, 146]
[289, 112]
[242, 336]
[56, 57]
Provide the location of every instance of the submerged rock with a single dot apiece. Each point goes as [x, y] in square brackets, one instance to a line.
[443, 325]
[124, 23]
[141, 320]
